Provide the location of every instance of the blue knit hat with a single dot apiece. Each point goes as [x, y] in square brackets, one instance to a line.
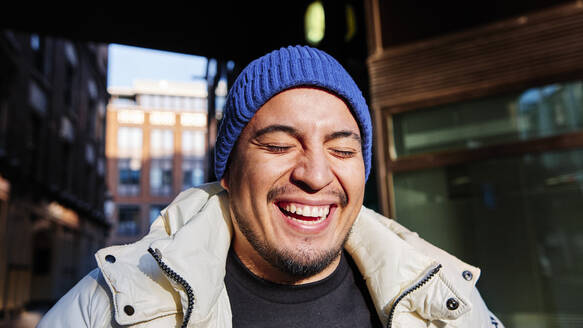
[280, 70]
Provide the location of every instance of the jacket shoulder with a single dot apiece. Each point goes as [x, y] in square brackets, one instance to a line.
[87, 304]
[455, 278]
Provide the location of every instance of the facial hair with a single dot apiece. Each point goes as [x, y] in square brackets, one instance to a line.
[301, 262]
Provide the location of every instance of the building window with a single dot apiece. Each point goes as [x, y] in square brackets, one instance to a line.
[538, 112]
[192, 173]
[197, 120]
[193, 152]
[161, 143]
[129, 151]
[155, 212]
[162, 152]
[38, 46]
[91, 119]
[129, 142]
[500, 175]
[193, 143]
[129, 177]
[128, 116]
[161, 176]
[68, 89]
[162, 118]
[128, 218]
[37, 97]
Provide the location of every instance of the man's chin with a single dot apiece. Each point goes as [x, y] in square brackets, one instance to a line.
[298, 261]
[300, 264]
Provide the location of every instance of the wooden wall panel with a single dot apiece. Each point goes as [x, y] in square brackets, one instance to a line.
[529, 50]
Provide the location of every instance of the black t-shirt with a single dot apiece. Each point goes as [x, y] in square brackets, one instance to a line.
[340, 300]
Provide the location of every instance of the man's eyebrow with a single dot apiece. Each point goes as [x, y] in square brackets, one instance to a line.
[276, 128]
[343, 134]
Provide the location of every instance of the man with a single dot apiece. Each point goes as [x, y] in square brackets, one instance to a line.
[283, 239]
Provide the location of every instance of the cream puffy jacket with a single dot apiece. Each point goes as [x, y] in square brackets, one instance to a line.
[182, 259]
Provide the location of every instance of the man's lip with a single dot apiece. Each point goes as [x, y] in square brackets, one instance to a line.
[308, 202]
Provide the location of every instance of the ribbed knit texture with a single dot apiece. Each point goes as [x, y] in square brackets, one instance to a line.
[280, 70]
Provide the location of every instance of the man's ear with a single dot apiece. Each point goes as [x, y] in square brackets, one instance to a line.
[225, 180]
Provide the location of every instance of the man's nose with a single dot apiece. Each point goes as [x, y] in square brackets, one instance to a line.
[313, 171]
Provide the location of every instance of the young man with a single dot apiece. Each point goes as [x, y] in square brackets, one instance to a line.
[282, 240]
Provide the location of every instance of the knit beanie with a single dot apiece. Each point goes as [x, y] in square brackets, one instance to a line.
[280, 70]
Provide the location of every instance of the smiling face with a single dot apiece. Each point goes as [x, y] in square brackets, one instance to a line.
[296, 184]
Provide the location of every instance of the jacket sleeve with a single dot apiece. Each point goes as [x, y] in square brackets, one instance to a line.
[87, 304]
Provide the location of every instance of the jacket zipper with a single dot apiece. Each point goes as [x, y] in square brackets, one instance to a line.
[178, 279]
[418, 285]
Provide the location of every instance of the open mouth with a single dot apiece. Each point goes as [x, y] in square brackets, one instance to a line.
[304, 214]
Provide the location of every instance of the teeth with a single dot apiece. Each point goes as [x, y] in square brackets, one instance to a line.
[307, 222]
[315, 211]
[311, 211]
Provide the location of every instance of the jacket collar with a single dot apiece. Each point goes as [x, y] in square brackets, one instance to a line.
[393, 259]
[193, 235]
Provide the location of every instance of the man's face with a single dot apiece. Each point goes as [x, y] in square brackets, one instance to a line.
[296, 183]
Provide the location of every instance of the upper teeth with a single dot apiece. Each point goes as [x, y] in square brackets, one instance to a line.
[305, 210]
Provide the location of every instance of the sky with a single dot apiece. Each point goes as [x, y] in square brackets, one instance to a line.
[126, 63]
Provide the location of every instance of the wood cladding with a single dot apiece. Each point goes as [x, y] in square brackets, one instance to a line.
[539, 48]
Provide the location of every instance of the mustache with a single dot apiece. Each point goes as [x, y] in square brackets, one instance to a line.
[278, 191]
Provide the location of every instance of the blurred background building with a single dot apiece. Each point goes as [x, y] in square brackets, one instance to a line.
[157, 146]
[477, 106]
[52, 165]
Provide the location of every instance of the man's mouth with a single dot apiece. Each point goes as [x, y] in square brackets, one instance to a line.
[305, 214]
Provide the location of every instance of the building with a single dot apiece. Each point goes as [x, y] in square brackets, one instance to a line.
[479, 143]
[157, 146]
[52, 166]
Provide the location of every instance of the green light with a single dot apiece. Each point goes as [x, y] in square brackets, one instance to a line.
[315, 23]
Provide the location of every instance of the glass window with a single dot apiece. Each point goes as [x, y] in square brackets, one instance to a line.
[192, 173]
[37, 97]
[129, 171]
[156, 101]
[145, 101]
[155, 212]
[176, 102]
[123, 101]
[518, 218]
[197, 120]
[69, 85]
[538, 112]
[161, 177]
[193, 143]
[129, 142]
[161, 143]
[128, 217]
[38, 46]
[162, 118]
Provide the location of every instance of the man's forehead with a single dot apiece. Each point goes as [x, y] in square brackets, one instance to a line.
[304, 103]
